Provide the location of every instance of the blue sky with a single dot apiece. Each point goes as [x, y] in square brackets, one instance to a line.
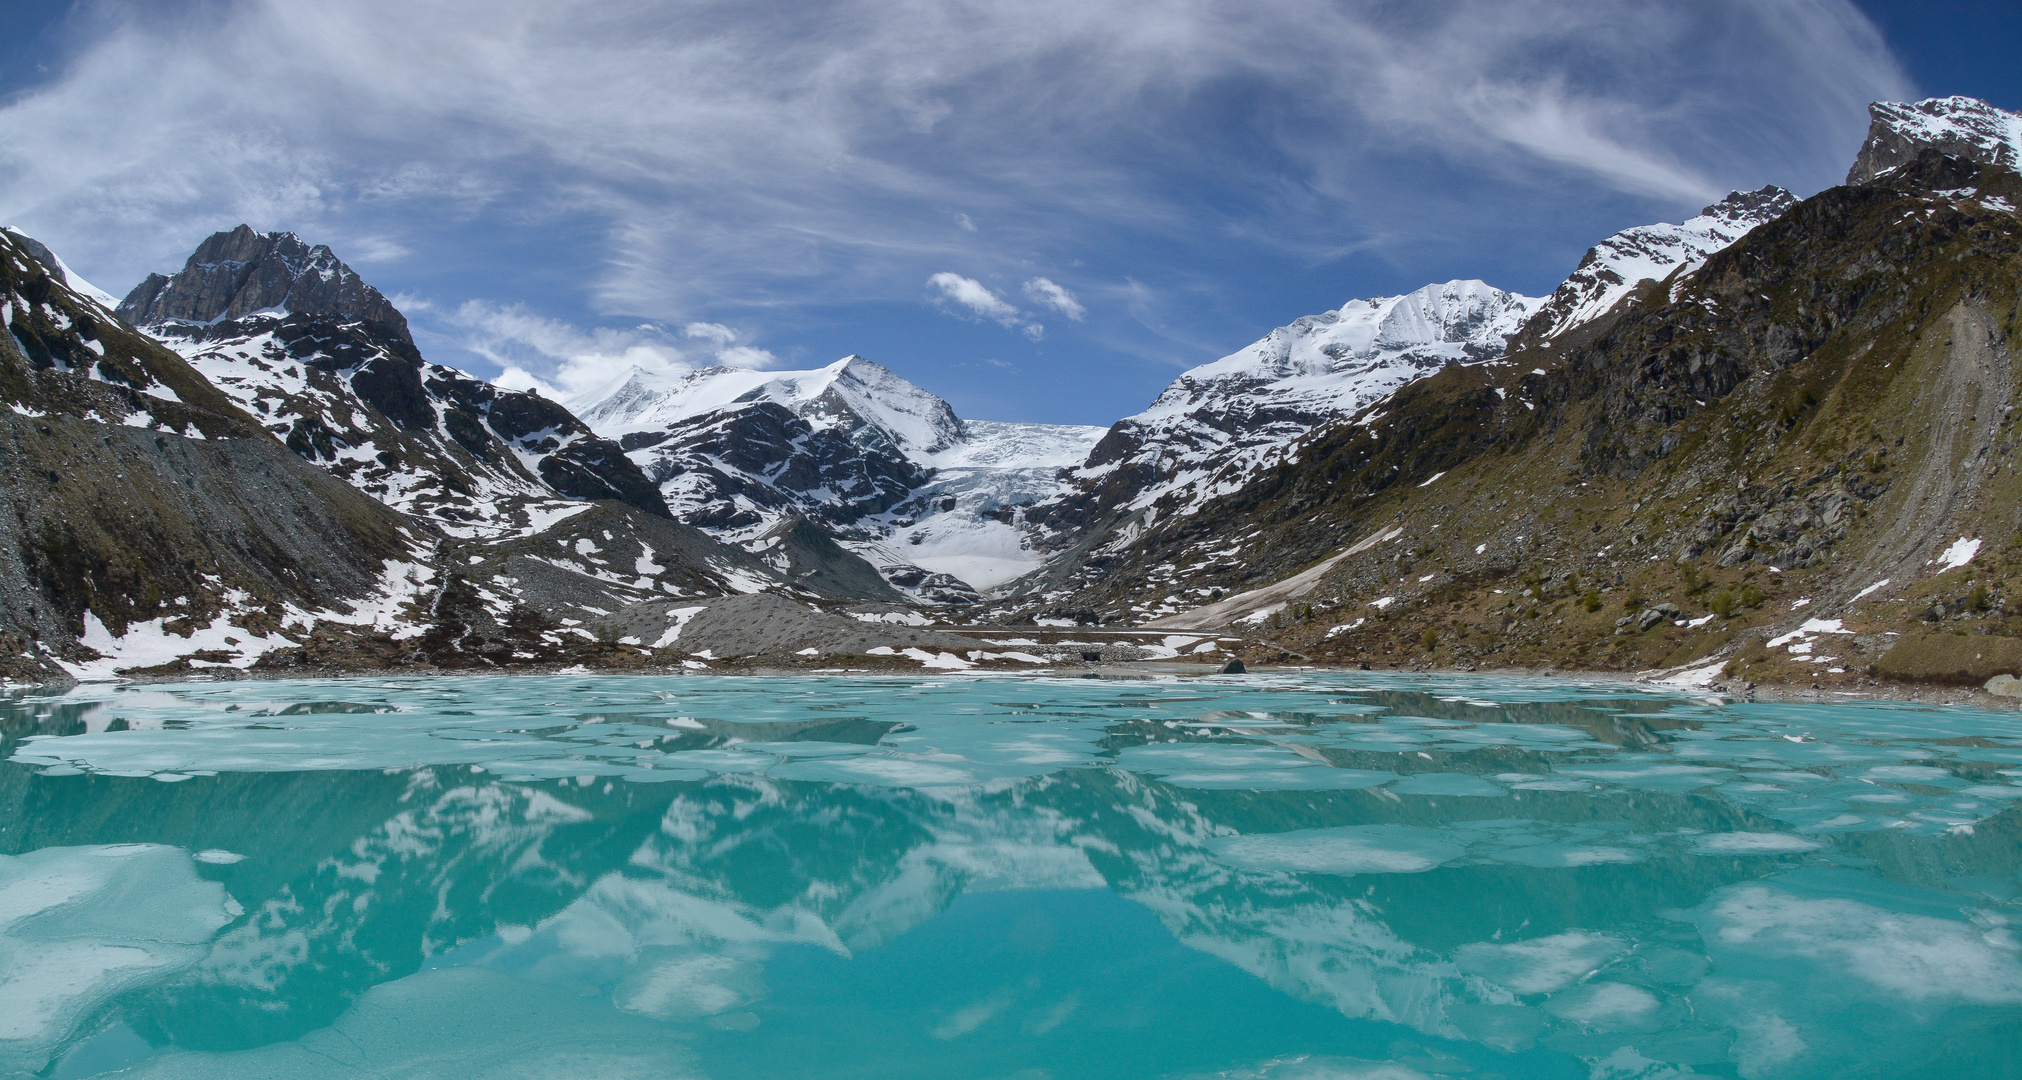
[1041, 211]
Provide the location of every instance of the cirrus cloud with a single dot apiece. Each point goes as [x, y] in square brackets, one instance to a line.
[1044, 291]
[746, 163]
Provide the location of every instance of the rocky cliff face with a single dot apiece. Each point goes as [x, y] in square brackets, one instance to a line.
[235, 274]
[1960, 127]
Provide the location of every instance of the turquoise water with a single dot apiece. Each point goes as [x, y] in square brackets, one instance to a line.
[1294, 877]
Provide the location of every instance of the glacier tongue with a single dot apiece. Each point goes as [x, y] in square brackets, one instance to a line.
[883, 465]
[966, 521]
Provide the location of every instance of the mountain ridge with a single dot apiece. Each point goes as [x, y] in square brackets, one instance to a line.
[1777, 413]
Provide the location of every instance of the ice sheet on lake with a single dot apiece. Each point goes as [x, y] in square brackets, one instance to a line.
[1358, 849]
[468, 1022]
[81, 925]
[1874, 766]
[1520, 865]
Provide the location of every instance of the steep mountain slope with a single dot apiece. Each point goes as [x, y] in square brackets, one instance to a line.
[1794, 460]
[145, 503]
[1217, 426]
[884, 467]
[296, 337]
[1218, 422]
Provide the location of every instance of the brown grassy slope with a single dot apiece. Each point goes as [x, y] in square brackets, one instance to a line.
[1825, 404]
[132, 488]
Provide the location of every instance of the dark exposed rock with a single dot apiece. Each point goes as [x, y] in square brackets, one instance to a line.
[808, 556]
[767, 456]
[234, 274]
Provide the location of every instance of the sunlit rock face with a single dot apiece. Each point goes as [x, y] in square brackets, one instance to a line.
[1960, 127]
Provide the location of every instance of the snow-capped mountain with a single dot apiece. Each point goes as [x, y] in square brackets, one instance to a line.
[296, 338]
[879, 409]
[1217, 424]
[62, 273]
[1960, 127]
[1614, 268]
[881, 464]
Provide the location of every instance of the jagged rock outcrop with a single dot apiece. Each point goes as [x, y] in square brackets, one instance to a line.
[1959, 127]
[235, 274]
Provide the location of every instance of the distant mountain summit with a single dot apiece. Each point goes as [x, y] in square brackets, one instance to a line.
[1960, 127]
[850, 448]
[241, 272]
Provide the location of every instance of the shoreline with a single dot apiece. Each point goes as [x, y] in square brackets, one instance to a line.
[1728, 690]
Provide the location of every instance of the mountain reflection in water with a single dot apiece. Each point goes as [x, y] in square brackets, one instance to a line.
[1271, 877]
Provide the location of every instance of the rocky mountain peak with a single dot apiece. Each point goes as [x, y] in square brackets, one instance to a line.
[234, 274]
[1613, 269]
[1751, 208]
[1958, 126]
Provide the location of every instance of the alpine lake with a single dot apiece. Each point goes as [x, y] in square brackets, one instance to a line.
[1264, 876]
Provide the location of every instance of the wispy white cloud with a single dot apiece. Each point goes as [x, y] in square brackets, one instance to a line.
[1044, 291]
[747, 356]
[977, 297]
[566, 361]
[979, 300]
[708, 331]
[770, 156]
